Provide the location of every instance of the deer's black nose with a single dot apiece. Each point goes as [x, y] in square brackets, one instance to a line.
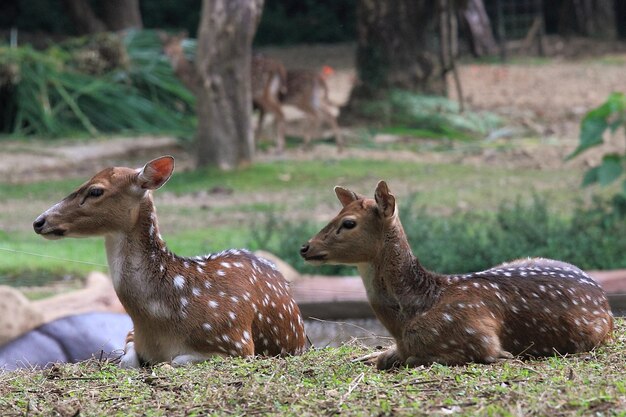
[39, 223]
[304, 249]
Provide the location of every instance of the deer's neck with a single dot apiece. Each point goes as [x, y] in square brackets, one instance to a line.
[138, 258]
[396, 281]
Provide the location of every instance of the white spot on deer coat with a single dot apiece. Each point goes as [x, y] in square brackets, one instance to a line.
[179, 281]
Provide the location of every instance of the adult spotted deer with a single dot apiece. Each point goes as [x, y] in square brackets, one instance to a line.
[527, 307]
[184, 310]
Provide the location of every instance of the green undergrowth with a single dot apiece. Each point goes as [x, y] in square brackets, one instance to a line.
[327, 382]
[93, 85]
[406, 113]
[468, 241]
[456, 221]
[462, 242]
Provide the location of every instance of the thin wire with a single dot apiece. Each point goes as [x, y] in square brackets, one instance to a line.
[52, 257]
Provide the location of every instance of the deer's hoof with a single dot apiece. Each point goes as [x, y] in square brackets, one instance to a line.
[388, 359]
[130, 359]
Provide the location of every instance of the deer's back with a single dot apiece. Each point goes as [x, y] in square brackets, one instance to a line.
[537, 305]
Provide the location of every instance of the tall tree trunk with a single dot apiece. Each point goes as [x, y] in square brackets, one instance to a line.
[588, 18]
[397, 48]
[84, 18]
[115, 15]
[121, 14]
[478, 25]
[224, 99]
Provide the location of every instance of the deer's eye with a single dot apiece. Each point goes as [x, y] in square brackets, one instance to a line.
[95, 192]
[348, 224]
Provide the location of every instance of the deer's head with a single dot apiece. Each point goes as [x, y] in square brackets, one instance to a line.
[107, 203]
[173, 44]
[355, 235]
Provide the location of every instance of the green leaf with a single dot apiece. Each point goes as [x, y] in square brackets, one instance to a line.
[610, 169]
[617, 102]
[591, 176]
[591, 131]
[609, 115]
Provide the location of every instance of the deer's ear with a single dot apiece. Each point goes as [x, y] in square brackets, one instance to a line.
[385, 200]
[346, 196]
[156, 173]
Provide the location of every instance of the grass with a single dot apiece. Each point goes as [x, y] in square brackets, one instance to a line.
[326, 382]
[285, 190]
[105, 83]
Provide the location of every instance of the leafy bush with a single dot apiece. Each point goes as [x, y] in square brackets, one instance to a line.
[609, 116]
[82, 87]
[429, 116]
[468, 241]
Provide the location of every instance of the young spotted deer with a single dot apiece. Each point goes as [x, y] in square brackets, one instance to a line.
[526, 307]
[183, 309]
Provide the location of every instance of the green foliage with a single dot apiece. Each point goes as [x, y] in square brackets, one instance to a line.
[475, 241]
[609, 116]
[71, 89]
[430, 116]
[471, 241]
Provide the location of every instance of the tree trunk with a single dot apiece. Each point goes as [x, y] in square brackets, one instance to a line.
[224, 99]
[116, 15]
[478, 25]
[121, 14]
[84, 18]
[588, 18]
[397, 48]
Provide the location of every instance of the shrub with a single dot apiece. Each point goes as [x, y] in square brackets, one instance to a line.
[404, 112]
[609, 116]
[468, 241]
[103, 84]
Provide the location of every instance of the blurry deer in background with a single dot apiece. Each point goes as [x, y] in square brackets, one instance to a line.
[269, 81]
[308, 91]
[272, 86]
[530, 306]
[182, 67]
[184, 310]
